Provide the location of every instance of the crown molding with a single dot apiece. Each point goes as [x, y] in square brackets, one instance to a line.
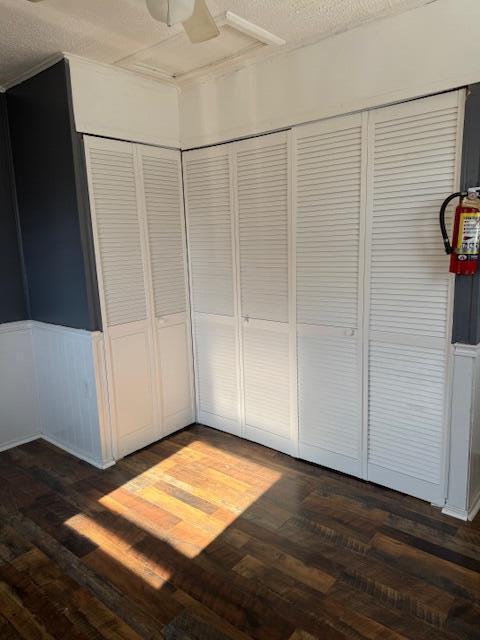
[114, 66]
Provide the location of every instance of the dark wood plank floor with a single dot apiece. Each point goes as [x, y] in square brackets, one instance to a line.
[206, 536]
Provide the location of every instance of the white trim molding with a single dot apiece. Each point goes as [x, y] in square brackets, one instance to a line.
[463, 494]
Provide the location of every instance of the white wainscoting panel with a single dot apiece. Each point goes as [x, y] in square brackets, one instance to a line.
[474, 479]
[70, 379]
[18, 406]
[463, 498]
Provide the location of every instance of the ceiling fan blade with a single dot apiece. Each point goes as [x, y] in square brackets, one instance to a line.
[158, 9]
[180, 10]
[201, 26]
[170, 11]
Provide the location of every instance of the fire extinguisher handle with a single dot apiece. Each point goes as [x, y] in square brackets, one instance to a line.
[443, 228]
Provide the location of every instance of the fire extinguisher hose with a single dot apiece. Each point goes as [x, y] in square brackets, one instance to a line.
[443, 208]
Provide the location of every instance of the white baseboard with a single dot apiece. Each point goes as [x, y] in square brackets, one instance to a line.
[17, 443]
[455, 512]
[82, 456]
[5, 446]
[475, 508]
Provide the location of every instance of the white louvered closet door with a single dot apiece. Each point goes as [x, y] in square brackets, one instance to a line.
[123, 285]
[161, 187]
[414, 150]
[263, 212]
[329, 188]
[209, 212]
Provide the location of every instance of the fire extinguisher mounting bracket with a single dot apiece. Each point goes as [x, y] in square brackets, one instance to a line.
[473, 192]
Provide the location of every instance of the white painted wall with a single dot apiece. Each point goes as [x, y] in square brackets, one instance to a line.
[426, 50]
[115, 103]
[18, 400]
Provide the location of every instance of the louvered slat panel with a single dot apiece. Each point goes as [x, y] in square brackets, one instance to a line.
[406, 410]
[217, 379]
[329, 389]
[207, 188]
[262, 192]
[408, 184]
[327, 223]
[118, 231]
[164, 214]
[413, 150]
[266, 380]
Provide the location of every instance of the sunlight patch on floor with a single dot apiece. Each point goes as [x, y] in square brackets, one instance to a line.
[186, 500]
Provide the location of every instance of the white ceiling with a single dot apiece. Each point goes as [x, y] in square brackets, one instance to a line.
[110, 30]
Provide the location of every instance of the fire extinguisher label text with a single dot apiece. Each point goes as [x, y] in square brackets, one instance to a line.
[469, 233]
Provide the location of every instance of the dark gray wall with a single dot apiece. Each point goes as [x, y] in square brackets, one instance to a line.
[466, 313]
[12, 294]
[53, 211]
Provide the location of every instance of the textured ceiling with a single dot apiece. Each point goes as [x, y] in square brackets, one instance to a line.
[109, 30]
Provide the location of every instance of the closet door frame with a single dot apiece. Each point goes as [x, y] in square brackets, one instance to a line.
[367, 335]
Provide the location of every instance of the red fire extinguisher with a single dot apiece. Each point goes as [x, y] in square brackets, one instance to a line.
[465, 247]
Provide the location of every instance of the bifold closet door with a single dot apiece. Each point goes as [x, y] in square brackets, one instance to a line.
[161, 187]
[329, 186]
[210, 220]
[262, 188]
[123, 285]
[413, 150]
